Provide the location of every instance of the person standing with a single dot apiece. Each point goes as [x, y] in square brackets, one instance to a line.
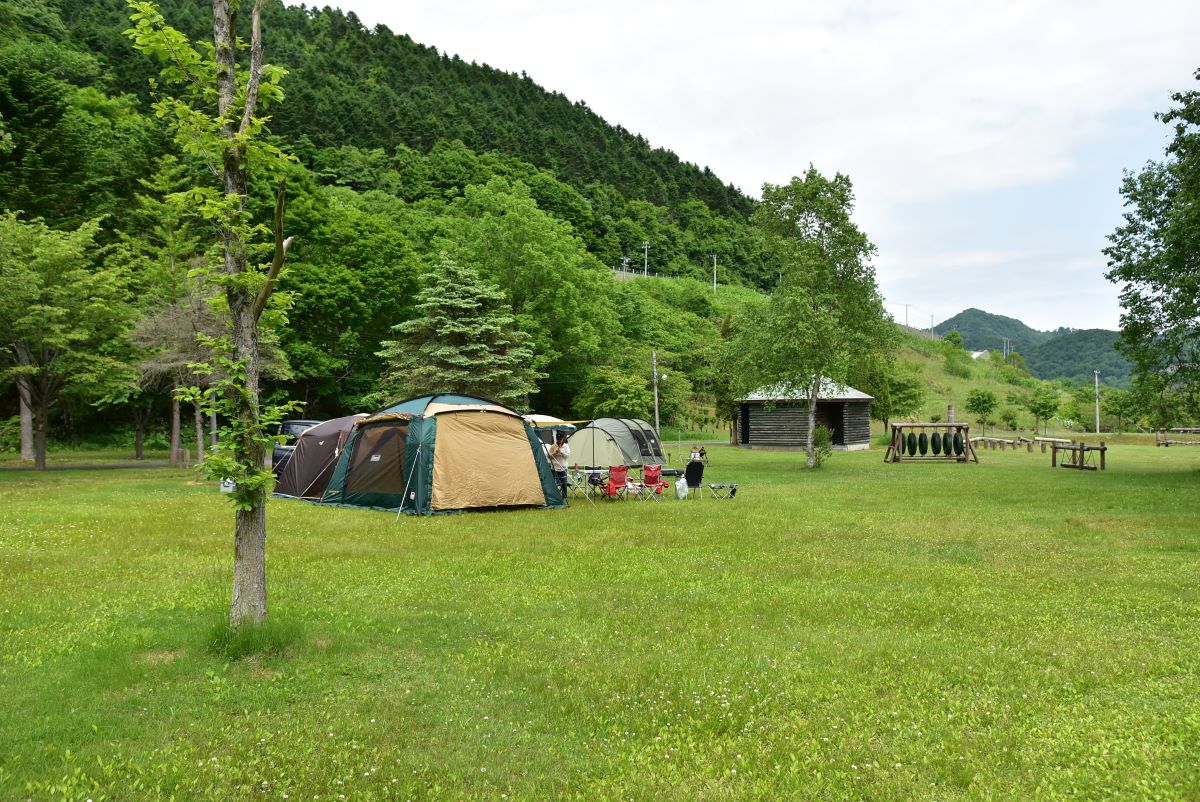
[560, 455]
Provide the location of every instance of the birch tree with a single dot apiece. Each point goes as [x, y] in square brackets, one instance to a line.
[216, 117]
[827, 314]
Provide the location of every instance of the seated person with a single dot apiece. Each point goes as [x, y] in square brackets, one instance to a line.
[695, 455]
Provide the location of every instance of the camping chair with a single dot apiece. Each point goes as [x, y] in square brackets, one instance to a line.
[652, 484]
[694, 473]
[618, 482]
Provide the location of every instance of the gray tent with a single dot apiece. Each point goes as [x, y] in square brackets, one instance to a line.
[616, 441]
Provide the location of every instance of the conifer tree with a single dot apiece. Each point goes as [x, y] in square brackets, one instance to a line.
[464, 340]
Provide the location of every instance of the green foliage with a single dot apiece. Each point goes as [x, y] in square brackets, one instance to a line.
[611, 392]
[1043, 404]
[827, 315]
[953, 338]
[1075, 355]
[464, 340]
[982, 403]
[903, 393]
[62, 318]
[956, 361]
[225, 394]
[822, 445]
[1155, 257]
[978, 330]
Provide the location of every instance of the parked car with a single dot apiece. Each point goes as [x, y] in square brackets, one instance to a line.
[290, 429]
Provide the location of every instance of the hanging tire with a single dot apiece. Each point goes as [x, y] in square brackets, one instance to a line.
[935, 443]
[923, 444]
[912, 443]
[958, 444]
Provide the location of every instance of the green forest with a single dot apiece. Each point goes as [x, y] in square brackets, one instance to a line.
[1071, 354]
[401, 158]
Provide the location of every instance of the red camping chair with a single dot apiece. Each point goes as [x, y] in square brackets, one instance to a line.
[652, 484]
[618, 482]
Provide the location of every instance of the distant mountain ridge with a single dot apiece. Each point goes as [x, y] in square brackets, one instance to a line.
[1065, 353]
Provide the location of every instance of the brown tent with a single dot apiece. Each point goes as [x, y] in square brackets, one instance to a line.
[308, 472]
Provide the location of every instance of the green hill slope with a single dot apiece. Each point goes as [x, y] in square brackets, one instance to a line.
[1063, 354]
[984, 331]
[1075, 355]
[372, 88]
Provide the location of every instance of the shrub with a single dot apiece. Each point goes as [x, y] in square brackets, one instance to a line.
[822, 445]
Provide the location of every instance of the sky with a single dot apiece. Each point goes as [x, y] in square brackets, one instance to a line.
[986, 140]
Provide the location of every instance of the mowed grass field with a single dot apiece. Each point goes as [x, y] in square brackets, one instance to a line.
[865, 631]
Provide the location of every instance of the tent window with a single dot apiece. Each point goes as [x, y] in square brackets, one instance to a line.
[377, 464]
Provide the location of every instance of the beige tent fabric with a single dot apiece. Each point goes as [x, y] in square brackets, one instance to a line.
[483, 459]
[437, 407]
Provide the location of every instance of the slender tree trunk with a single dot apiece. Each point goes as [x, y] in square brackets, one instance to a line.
[41, 417]
[176, 445]
[813, 390]
[27, 450]
[141, 415]
[199, 417]
[249, 603]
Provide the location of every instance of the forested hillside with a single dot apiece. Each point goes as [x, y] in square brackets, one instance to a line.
[984, 331]
[1075, 355]
[1060, 354]
[535, 193]
[364, 106]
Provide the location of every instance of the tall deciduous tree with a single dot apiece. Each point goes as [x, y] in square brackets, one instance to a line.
[1155, 256]
[216, 117]
[464, 339]
[827, 314]
[61, 319]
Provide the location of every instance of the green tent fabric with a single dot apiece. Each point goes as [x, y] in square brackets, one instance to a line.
[443, 453]
[616, 441]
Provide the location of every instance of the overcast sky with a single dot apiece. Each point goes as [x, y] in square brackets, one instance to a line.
[985, 140]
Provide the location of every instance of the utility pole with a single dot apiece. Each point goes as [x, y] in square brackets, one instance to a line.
[646, 258]
[714, 258]
[654, 371]
[1097, 402]
[906, 306]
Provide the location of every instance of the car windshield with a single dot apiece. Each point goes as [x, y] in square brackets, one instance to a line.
[293, 428]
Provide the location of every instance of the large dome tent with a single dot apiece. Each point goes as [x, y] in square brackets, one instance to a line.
[441, 453]
[616, 441]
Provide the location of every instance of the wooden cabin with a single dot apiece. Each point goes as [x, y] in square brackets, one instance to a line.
[777, 417]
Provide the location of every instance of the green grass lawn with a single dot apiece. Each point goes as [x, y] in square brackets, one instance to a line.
[866, 631]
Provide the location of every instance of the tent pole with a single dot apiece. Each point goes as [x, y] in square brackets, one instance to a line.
[416, 462]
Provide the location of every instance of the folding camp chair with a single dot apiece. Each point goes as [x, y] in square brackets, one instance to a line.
[694, 474]
[652, 484]
[618, 482]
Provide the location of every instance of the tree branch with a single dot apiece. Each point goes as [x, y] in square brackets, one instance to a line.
[281, 249]
[252, 82]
